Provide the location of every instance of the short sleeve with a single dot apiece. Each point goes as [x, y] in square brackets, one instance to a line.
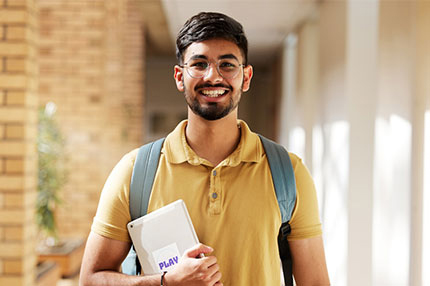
[305, 221]
[113, 212]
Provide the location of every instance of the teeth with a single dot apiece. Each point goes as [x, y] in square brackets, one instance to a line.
[213, 93]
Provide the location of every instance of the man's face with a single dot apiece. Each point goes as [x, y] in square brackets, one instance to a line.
[212, 96]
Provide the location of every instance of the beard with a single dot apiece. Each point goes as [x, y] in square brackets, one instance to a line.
[213, 110]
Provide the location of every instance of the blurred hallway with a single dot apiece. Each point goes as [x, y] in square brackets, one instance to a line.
[343, 84]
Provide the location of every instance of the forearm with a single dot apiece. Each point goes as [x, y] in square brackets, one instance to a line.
[103, 257]
[112, 278]
[102, 261]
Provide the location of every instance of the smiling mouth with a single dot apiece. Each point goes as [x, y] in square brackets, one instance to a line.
[213, 93]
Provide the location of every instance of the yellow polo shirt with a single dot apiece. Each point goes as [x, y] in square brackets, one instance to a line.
[233, 205]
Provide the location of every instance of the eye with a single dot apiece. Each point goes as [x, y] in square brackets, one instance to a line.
[199, 65]
[227, 65]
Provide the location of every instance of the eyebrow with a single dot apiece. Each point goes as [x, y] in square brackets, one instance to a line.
[226, 56]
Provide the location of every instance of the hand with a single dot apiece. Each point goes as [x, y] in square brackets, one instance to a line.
[194, 271]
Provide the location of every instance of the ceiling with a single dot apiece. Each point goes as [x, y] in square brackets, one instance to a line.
[266, 22]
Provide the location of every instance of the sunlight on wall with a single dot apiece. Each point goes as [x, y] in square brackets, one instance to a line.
[392, 187]
[288, 103]
[297, 141]
[331, 145]
[426, 202]
[317, 161]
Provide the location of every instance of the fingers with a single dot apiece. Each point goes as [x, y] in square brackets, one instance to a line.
[205, 269]
[196, 250]
[215, 274]
[210, 271]
[215, 280]
[214, 268]
[208, 261]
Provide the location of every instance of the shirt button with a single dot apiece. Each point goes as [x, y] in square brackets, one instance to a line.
[214, 173]
[214, 196]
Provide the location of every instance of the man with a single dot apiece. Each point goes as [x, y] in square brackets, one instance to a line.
[218, 167]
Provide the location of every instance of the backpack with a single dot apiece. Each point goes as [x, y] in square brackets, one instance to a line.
[142, 179]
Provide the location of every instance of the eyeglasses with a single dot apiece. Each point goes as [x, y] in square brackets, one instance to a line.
[199, 68]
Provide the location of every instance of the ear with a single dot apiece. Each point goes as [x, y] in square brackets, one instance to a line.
[179, 78]
[247, 76]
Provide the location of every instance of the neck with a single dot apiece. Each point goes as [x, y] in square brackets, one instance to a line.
[213, 140]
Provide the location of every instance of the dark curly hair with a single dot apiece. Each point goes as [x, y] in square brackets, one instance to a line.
[210, 25]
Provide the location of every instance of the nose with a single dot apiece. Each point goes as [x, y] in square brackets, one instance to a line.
[212, 74]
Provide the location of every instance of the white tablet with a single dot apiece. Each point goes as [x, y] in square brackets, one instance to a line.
[162, 236]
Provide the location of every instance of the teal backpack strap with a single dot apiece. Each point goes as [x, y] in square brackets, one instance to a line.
[282, 176]
[142, 179]
[285, 187]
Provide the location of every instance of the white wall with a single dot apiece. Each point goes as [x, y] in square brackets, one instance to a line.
[420, 213]
[362, 133]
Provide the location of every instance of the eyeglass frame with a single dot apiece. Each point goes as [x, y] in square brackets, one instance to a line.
[186, 66]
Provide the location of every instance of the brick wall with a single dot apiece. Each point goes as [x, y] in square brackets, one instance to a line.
[91, 65]
[18, 127]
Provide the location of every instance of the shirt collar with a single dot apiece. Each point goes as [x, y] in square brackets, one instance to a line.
[177, 150]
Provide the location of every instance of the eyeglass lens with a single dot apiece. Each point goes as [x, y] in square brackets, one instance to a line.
[227, 68]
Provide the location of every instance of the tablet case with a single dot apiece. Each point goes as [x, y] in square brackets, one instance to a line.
[162, 236]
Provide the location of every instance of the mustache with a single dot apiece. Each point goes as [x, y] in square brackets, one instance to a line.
[207, 85]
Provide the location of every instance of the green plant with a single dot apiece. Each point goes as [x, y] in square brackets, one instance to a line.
[52, 175]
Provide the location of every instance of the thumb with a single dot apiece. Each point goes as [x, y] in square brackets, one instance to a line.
[197, 249]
